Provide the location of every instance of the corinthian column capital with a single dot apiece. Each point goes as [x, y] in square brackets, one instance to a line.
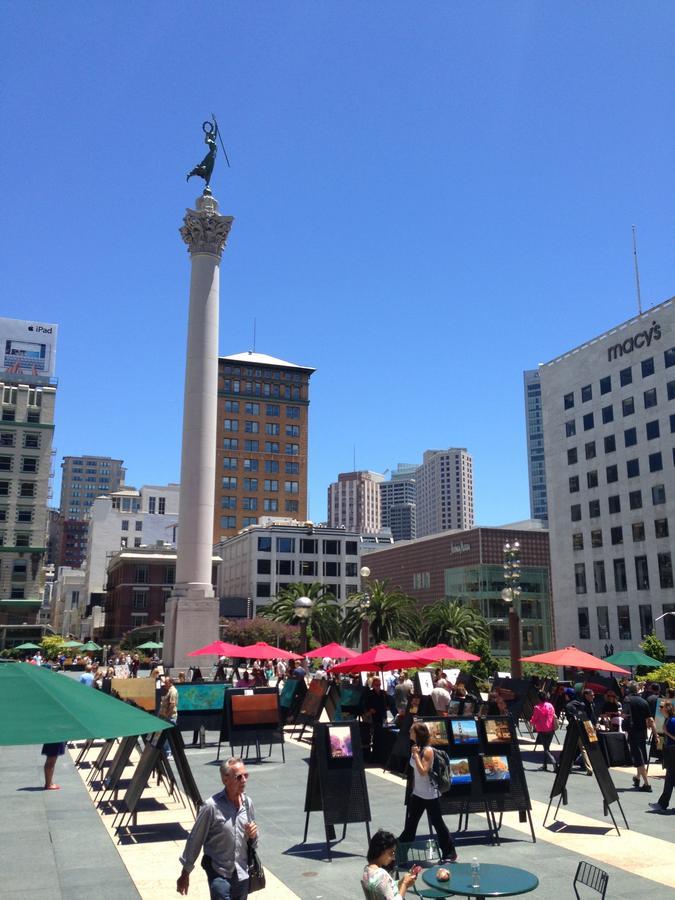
[204, 229]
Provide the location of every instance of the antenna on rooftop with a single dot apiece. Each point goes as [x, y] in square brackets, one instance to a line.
[354, 461]
[254, 324]
[637, 272]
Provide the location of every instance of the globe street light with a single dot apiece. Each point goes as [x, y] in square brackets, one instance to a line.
[364, 606]
[510, 594]
[303, 610]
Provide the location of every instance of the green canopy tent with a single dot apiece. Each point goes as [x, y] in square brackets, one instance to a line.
[71, 645]
[27, 646]
[38, 706]
[90, 647]
[633, 658]
[150, 645]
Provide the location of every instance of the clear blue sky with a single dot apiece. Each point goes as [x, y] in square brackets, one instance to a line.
[428, 199]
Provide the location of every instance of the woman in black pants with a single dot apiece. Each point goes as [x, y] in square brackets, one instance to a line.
[425, 795]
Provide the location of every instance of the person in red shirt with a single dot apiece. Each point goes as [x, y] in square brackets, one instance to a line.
[544, 722]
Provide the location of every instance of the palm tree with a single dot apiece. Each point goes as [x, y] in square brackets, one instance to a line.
[390, 612]
[324, 619]
[452, 622]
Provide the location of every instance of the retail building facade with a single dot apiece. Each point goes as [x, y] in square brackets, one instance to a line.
[609, 431]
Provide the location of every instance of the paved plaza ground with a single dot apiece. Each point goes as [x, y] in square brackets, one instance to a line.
[56, 845]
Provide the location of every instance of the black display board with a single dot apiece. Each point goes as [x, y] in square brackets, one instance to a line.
[182, 765]
[332, 700]
[519, 695]
[292, 695]
[252, 716]
[488, 772]
[581, 731]
[336, 780]
[470, 684]
[147, 763]
[101, 759]
[312, 705]
[119, 763]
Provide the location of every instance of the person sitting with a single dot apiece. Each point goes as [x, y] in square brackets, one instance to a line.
[610, 712]
[375, 703]
[377, 881]
[246, 681]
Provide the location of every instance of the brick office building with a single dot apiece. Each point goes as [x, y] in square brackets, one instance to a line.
[469, 566]
[261, 452]
[140, 581]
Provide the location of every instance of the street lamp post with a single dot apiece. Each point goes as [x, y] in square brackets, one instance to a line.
[303, 610]
[364, 605]
[510, 594]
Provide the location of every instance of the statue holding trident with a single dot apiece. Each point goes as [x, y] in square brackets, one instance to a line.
[205, 168]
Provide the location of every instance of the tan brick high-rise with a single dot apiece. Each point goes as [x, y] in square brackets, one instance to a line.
[262, 443]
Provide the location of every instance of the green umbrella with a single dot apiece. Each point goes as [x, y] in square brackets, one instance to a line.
[27, 646]
[90, 645]
[632, 658]
[38, 706]
[72, 644]
[150, 645]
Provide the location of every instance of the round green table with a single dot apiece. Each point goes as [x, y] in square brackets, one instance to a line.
[495, 881]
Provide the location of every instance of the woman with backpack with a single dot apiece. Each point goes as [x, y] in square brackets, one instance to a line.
[425, 795]
[543, 721]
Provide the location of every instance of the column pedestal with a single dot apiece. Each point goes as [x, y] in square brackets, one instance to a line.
[190, 622]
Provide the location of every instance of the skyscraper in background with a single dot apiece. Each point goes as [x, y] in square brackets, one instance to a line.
[354, 502]
[534, 426]
[398, 502]
[444, 486]
[83, 479]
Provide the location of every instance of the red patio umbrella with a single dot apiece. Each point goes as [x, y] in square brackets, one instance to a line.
[217, 648]
[261, 650]
[380, 658]
[444, 651]
[335, 651]
[575, 659]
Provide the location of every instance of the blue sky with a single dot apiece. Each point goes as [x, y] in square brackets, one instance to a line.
[428, 199]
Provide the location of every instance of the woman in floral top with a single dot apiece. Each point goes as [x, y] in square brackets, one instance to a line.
[376, 879]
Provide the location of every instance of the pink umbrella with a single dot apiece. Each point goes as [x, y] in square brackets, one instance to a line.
[261, 650]
[335, 651]
[380, 658]
[575, 659]
[217, 648]
[444, 651]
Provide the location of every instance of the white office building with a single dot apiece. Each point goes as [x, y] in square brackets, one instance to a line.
[354, 502]
[444, 484]
[263, 559]
[127, 518]
[609, 425]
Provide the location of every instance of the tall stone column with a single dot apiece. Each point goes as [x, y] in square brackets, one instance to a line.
[191, 618]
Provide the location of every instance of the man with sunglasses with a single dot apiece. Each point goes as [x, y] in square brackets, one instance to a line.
[224, 827]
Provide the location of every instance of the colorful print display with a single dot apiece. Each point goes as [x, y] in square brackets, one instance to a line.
[464, 731]
[497, 731]
[255, 709]
[438, 732]
[200, 697]
[340, 738]
[496, 768]
[461, 773]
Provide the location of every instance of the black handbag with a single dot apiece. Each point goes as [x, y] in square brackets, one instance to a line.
[256, 873]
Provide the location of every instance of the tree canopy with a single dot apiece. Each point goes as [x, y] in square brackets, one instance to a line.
[390, 612]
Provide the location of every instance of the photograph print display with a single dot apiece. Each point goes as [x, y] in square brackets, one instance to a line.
[426, 683]
[497, 731]
[464, 731]
[496, 768]
[461, 773]
[590, 731]
[438, 732]
[453, 708]
[340, 739]
[255, 709]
